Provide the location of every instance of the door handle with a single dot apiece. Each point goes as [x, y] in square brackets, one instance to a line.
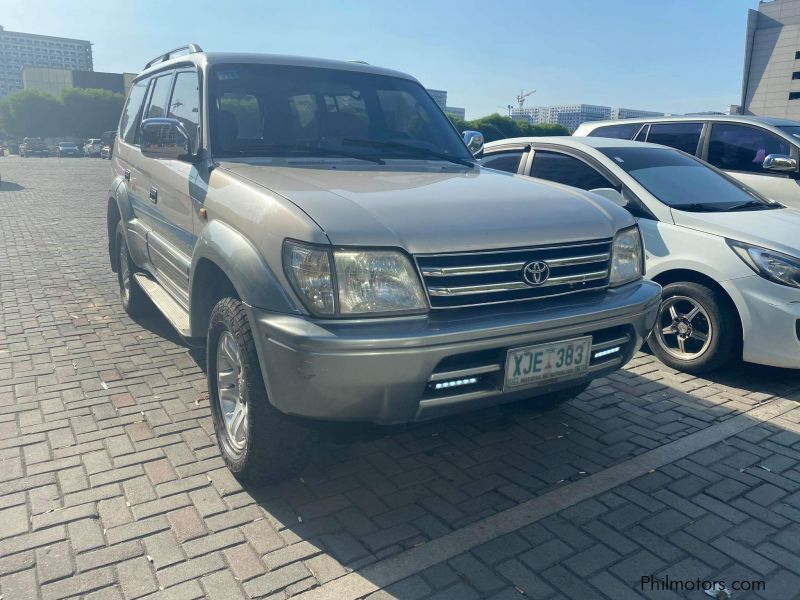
[127, 174]
[153, 194]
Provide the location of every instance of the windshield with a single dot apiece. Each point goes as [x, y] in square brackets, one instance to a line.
[793, 130]
[684, 182]
[281, 111]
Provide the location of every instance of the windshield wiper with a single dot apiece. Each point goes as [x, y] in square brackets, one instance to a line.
[415, 150]
[310, 150]
[699, 207]
[755, 204]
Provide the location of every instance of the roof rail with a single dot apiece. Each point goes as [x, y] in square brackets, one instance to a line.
[181, 51]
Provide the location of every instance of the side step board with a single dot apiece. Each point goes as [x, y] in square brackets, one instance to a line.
[177, 316]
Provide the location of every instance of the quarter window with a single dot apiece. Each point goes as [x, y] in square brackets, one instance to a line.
[130, 114]
[683, 136]
[624, 131]
[740, 148]
[503, 161]
[569, 170]
[185, 104]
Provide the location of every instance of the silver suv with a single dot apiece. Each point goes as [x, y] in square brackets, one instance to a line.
[328, 233]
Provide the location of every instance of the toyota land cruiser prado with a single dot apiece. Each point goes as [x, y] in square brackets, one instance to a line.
[328, 233]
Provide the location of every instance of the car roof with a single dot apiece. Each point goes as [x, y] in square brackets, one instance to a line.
[774, 121]
[208, 59]
[571, 141]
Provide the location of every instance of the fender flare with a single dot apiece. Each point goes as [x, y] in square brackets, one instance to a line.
[254, 281]
[119, 195]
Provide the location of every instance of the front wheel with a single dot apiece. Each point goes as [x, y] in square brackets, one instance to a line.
[696, 331]
[258, 443]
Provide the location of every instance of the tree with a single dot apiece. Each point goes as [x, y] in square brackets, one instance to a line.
[87, 113]
[496, 127]
[30, 113]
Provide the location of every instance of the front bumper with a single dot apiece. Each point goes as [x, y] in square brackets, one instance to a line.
[384, 370]
[770, 315]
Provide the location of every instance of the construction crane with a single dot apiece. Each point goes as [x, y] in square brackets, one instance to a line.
[522, 96]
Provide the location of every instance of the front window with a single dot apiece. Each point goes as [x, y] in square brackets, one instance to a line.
[684, 182]
[742, 148]
[287, 111]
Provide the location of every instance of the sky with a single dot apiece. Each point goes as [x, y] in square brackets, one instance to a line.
[676, 56]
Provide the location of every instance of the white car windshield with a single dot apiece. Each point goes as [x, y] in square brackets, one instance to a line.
[281, 111]
[684, 182]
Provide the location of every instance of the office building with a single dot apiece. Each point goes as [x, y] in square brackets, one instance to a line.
[27, 49]
[53, 81]
[771, 81]
[572, 115]
[440, 97]
[456, 111]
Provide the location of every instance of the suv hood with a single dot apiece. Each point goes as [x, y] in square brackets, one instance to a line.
[428, 210]
[775, 229]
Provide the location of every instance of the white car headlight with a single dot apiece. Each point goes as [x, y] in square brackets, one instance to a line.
[353, 282]
[627, 257]
[775, 266]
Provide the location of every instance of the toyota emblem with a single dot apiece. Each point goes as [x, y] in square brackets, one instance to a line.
[536, 272]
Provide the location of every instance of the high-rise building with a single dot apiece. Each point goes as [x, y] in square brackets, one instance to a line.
[28, 49]
[572, 115]
[771, 82]
[440, 97]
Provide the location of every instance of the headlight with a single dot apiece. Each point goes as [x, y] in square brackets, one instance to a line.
[775, 266]
[627, 257]
[363, 282]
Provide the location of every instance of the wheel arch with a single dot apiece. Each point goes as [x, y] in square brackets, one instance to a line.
[225, 263]
[687, 275]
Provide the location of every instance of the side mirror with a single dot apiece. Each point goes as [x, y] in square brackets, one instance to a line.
[779, 162]
[164, 138]
[474, 141]
[611, 194]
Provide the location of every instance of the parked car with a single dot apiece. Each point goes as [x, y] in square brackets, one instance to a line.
[105, 152]
[762, 152]
[728, 258]
[33, 146]
[107, 140]
[93, 147]
[66, 149]
[350, 261]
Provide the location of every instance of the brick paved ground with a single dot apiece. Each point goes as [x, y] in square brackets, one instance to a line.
[111, 485]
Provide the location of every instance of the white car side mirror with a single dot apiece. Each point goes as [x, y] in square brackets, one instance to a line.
[611, 194]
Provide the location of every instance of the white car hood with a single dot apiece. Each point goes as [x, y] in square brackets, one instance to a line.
[777, 229]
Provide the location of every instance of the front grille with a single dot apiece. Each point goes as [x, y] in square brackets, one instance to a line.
[489, 277]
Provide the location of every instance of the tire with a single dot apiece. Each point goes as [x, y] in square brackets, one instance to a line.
[134, 300]
[262, 445]
[697, 331]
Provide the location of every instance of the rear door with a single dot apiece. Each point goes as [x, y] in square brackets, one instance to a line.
[682, 135]
[740, 149]
[511, 159]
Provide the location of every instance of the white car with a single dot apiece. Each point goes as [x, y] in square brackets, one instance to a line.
[93, 148]
[762, 152]
[728, 258]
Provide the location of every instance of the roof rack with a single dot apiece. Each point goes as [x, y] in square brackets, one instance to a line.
[180, 51]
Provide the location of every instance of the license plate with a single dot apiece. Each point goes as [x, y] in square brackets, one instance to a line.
[534, 364]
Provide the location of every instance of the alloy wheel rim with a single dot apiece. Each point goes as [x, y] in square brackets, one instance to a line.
[124, 274]
[683, 329]
[231, 402]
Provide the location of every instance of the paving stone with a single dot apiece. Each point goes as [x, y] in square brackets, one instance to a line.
[54, 562]
[187, 523]
[245, 563]
[136, 578]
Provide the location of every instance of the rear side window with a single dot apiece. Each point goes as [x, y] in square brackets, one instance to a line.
[624, 131]
[503, 161]
[683, 136]
[130, 114]
[566, 169]
[740, 148]
[185, 104]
